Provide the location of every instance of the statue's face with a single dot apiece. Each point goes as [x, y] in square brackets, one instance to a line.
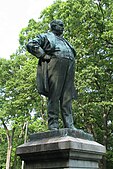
[58, 27]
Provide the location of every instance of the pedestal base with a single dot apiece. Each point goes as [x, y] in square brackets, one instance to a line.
[61, 149]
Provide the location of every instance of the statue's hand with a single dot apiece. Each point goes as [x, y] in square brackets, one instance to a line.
[47, 58]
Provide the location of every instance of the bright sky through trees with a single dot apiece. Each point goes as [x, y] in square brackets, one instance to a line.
[14, 15]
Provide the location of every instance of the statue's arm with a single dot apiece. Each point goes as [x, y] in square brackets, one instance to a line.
[35, 46]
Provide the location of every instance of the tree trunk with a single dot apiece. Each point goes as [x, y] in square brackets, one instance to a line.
[9, 141]
[105, 138]
[25, 140]
[8, 159]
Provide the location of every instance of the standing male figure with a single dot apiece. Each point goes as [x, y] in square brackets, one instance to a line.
[55, 73]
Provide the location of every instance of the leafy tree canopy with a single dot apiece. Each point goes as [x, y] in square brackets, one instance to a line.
[88, 27]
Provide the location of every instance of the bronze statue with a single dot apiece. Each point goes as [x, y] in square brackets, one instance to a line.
[55, 73]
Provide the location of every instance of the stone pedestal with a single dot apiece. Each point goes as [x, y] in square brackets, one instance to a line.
[61, 149]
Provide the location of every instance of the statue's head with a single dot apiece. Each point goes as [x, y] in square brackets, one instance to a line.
[57, 27]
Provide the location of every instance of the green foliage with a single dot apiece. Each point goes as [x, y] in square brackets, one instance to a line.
[3, 147]
[18, 99]
[88, 26]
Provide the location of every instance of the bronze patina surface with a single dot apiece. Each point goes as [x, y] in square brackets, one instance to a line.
[55, 73]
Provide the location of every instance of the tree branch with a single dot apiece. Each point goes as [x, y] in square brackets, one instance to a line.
[5, 127]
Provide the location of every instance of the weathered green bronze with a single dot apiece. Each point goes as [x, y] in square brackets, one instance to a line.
[55, 73]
